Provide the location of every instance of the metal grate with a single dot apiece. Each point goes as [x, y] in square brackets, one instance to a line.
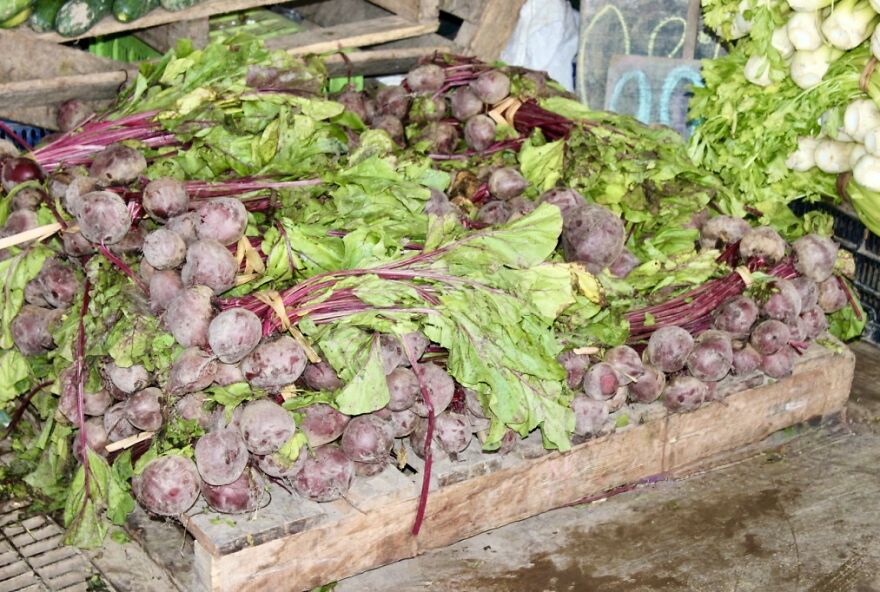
[34, 559]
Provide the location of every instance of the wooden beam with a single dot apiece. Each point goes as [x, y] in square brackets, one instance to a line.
[164, 37]
[160, 16]
[349, 540]
[493, 30]
[25, 58]
[370, 32]
[380, 62]
[99, 85]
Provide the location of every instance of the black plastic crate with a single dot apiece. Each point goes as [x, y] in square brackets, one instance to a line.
[865, 247]
[30, 134]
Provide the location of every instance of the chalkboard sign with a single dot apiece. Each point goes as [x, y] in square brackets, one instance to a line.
[654, 90]
[664, 29]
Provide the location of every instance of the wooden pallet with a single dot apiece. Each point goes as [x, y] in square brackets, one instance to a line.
[38, 71]
[294, 544]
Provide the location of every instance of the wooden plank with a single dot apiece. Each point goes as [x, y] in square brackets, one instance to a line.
[37, 94]
[354, 540]
[380, 61]
[26, 58]
[164, 37]
[100, 85]
[287, 514]
[369, 32]
[408, 9]
[466, 10]
[497, 21]
[160, 16]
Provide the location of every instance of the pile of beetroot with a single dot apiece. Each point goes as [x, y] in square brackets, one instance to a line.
[183, 246]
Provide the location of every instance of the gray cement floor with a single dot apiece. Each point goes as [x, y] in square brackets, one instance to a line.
[803, 517]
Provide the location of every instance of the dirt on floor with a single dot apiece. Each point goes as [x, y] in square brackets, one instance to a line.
[803, 517]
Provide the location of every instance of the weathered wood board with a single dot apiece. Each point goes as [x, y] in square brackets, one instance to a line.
[29, 95]
[296, 545]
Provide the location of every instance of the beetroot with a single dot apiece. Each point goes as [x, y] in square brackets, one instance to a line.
[601, 381]
[491, 86]
[440, 389]
[223, 219]
[779, 364]
[144, 409]
[326, 476]
[265, 426]
[234, 333]
[168, 485]
[745, 360]
[479, 132]
[763, 242]
[452, 431]
[737, 316]
[668, 348]
[590, 416]
[465, 104]
[19, 169]
[367, 438]
[770, 336]
[648, 387]
[118, 164]
[426, 78]
[322, 424]
[404, 388]
[189, 316]
[626, 361]
[321, 377]
[193, 370]
[245, 494]
[784, 301]
[815, 256]
[103, 217]
[221, 456]
[684, 393]
[723, 230]
[209, 263]
[506, 183]
[712, 356]
[274, 364]
[593, 235]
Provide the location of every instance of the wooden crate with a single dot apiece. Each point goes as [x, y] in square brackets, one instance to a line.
[294, 544]
[38, 72]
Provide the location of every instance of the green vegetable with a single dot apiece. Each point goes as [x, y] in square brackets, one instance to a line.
[43, 17]
[127, 11]
[17, 19]
[11, 8]
[76, 17]
[175, 5]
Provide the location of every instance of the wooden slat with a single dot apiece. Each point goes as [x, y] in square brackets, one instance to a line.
[467, 10]
[164, 37]
[25, 58]
[356, 540]
[160, 16]
[369, 32]
[414, 10]
[100, 85]
[380, 61]
[493, 30]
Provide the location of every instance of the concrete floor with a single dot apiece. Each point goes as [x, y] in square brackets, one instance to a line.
[803, 517]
